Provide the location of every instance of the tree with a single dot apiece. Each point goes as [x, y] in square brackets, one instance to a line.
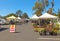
[58, 13]
[19, 13]
[52, 3]
[25, 15]
[50, 11]
[40, 6]
[46, 3]
[54, 14]
[38, 12]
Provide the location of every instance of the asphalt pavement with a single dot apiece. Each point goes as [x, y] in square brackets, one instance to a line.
[24, 32]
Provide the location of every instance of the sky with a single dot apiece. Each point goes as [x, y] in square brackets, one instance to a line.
[11, 6]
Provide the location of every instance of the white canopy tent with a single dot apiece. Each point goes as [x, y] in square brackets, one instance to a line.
[26, 19]
[47, 15]
[18, 18]
[1, 19]
[34, 17]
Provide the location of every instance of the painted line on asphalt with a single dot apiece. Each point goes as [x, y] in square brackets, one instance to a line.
[49, 38]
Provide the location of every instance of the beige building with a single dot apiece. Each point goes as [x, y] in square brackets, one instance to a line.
[10, 18]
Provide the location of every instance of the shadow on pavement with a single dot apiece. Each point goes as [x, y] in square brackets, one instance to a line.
[17, 32]
[2, 29]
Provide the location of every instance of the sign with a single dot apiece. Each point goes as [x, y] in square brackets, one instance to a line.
[12, 28]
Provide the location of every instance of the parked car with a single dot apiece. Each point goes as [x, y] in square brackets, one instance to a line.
[3, 21]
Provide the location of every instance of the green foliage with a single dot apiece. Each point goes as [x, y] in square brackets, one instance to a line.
[38, 12]
[58, 13]
[40, 6]
[54, 14]
[35, 25]
[52, 3]
[50, 10]
[46, 2]
[18, 12]
[25, 15]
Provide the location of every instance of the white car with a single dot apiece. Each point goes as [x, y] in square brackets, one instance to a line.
[2, 21]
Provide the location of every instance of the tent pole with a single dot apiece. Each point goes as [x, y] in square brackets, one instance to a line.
[39, 22]
[53, 23]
